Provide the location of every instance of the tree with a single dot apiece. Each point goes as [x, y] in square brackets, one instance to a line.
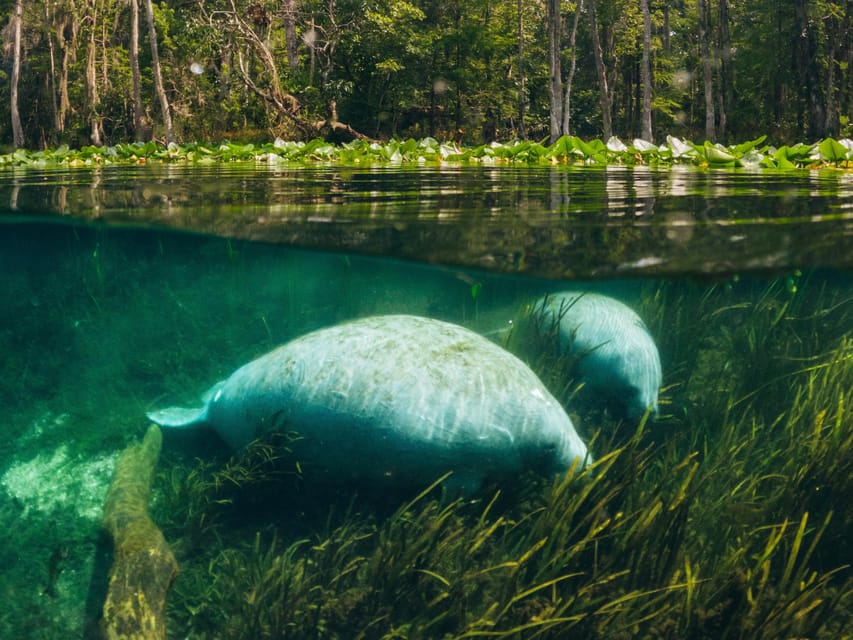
[158, 78]
[707, 69]
[289, 16]
[600, 70]
[472, 70]
[49, 22]
[522, 98]
[646, 71]
[837, 27]
[17, 27]
[240, 38]
[807, 70]
[555, 84]
[66, 29]
[846, 62]
[567, 101]
[725, 89]
[95, 120]
[140, 128]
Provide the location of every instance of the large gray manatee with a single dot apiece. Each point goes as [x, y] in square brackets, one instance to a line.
[394, 398]
[617, 357]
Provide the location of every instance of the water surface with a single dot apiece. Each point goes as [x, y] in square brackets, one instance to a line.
[559, 222]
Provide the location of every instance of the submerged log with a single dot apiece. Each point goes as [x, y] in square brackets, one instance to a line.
[143, 565]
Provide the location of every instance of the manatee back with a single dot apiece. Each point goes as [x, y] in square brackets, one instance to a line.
[426, 392]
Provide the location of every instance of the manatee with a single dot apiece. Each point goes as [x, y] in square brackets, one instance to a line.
[617, 359]
[395, 398]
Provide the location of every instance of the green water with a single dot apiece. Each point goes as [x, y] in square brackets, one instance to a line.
[729, 516]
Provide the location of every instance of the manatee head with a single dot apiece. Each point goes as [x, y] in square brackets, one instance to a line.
[556, 446]
[636, 367]
[572, 453]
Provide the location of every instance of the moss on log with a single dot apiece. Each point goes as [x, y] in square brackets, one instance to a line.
[143, 565]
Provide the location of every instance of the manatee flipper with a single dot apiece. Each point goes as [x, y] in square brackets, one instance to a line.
[179, 417]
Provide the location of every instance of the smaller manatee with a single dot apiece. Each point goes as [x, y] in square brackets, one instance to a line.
[618, 360]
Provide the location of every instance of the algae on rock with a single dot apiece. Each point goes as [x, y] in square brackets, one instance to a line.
[143, 567]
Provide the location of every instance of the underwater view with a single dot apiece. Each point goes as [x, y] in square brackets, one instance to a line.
[415, 404]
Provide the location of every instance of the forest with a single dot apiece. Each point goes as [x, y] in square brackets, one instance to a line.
[98, 72]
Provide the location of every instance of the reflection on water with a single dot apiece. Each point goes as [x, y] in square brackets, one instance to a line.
[551, 222]
[726, 516]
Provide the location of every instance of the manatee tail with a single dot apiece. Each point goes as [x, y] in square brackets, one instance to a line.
[183, 417]
[179, 417]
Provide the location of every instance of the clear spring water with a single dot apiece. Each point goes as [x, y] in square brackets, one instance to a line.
[108, 309]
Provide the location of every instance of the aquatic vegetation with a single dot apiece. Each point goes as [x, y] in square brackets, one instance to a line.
[727, 520]
[567, 149]
[193, 499]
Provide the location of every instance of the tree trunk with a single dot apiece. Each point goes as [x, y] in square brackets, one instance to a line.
[567, 102]
[333, 37]
[646, 71]
[50, 23]
[779, 84]
[17, 27]
[707, 70]
[837, 30]
[807, 69]
[158, 78]
[312, 52]
[601, 72]
[848, 60]
[289, 11]
[555, 84]
[105, 49]
[139, 128]
[522, 80]
[68, 26]
[720, 109]
[726, 83]
[97, 134]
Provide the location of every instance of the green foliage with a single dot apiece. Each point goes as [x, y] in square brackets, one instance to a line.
[414, 68]
[833, 151]
[565, 150]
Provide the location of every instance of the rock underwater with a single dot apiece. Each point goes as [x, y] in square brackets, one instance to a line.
[397, 398]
